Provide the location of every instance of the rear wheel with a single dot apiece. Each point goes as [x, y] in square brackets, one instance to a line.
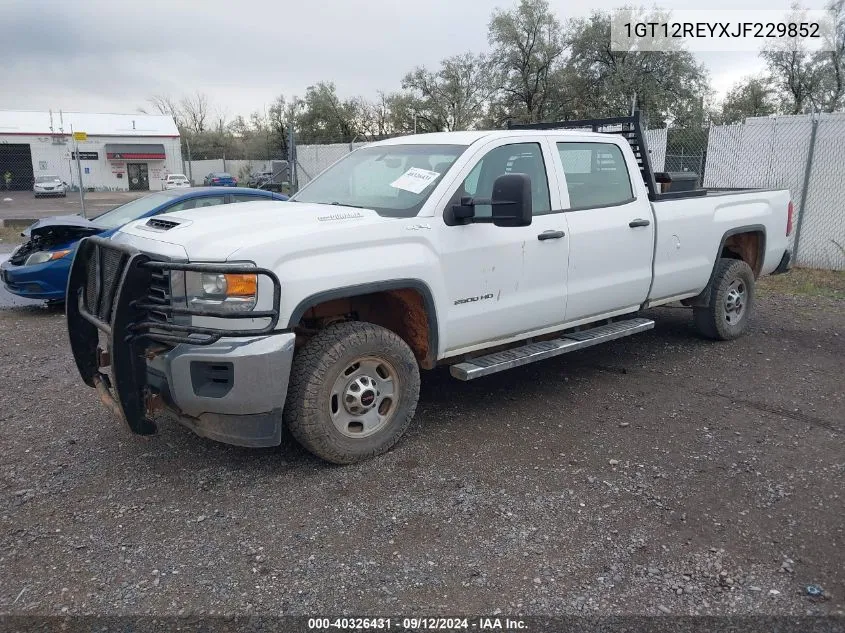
[353, 392]
[732, 295]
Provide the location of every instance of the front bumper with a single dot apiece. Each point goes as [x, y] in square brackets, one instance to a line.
[226, 384]
[232, 391]
[47, 281]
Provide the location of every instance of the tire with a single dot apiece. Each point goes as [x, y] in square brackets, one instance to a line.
[338, 406]
[732, 297]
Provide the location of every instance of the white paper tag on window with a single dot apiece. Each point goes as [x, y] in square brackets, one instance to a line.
[415, 180]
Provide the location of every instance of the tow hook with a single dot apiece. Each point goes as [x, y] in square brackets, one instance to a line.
[103, 357]
[152, 402]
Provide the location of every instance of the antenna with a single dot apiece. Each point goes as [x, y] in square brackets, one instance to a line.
[51, 121]
[61, 122]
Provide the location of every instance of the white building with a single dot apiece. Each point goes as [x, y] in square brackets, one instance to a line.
[122, 152]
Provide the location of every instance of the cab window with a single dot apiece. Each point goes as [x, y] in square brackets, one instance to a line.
[247, 197]
[519, 158]
[596, 174]
[196, 203]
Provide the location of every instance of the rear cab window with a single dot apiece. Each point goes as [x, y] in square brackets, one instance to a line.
[248, 197]
[596, 174]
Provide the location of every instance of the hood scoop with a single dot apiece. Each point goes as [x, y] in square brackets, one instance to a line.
[159, 224]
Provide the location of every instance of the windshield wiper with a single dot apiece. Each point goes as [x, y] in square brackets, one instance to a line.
[343, 204]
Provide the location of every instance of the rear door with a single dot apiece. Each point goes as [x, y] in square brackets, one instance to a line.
[611, 227]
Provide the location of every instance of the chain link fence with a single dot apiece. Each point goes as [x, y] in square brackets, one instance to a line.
[802, 153]
[314, 157]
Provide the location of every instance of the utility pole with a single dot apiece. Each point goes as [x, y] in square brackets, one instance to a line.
[79, 172]
[190, 166]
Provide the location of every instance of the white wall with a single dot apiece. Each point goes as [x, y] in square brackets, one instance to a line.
[52, 157]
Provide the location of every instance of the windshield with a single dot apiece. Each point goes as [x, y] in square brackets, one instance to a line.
[132, 210]
[176, 177]
[46, 179]
[393, 180]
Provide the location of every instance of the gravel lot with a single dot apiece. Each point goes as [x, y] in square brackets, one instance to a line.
[656, 474]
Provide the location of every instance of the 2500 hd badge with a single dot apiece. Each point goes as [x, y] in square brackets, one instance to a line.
[489, 295]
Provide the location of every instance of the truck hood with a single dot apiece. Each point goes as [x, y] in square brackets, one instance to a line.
[216, 233]
[62, 228]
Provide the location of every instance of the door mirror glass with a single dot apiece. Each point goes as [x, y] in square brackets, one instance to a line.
[512, 204]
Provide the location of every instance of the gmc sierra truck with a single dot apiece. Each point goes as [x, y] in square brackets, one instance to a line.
[481, 250]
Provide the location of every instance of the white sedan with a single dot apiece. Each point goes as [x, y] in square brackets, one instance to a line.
[176, 181]
[49, 186]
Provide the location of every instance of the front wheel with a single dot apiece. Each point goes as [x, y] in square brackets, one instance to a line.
[732, 295]
[353, 392]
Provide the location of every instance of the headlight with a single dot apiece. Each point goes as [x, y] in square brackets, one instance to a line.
[40, 257]
[221, 292]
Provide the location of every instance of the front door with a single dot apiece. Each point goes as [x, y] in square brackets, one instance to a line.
[504, 281]
[139, 178]
[611, 226]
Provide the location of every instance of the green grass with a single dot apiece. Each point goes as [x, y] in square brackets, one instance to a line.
[807, 282]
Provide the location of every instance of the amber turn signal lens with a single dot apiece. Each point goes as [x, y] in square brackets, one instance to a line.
[238, 285]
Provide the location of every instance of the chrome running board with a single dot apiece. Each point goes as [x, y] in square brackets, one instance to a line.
[541, 350]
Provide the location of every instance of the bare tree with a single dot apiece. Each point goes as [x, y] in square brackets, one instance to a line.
[165, 104]
[195, 111]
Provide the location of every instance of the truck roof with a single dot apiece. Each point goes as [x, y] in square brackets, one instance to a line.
[470, 137]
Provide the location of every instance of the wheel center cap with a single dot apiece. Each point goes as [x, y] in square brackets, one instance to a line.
[360, 395]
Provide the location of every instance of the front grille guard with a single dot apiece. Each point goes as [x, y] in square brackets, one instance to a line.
[121, 311]
[194, 334]
[130, 293]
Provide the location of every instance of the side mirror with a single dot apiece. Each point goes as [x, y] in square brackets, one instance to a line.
[463, 211]
[512, 205]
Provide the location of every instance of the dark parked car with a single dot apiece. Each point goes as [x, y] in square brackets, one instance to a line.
[258, 178]
[220, 179]
[38, 268]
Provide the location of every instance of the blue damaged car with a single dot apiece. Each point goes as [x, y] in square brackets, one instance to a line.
[38, 268]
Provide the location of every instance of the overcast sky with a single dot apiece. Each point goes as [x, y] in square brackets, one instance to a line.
[106, 56]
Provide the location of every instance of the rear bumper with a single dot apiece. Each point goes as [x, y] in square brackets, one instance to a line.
[231, 391]
[785, 264]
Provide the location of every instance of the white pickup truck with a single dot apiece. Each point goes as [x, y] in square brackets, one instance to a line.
[479, 250]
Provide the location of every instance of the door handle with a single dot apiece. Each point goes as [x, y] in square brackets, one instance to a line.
[638, 222]
[550, 235]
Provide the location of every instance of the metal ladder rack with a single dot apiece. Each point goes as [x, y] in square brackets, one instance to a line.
[631, 129]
